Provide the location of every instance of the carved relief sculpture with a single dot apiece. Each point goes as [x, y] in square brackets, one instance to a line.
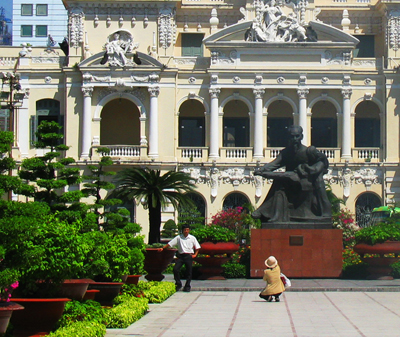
[119, 49]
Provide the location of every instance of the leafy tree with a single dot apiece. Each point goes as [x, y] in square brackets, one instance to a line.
[155, 190]
[95, 183]
[51, 172]
[7, 163]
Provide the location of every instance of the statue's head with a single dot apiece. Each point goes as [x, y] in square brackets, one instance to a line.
[295, 135]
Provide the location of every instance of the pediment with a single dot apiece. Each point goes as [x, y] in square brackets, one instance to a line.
[146, 62]
[235, 36]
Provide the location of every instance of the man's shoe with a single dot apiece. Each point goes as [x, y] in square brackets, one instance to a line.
[178, 287]
[186, 289]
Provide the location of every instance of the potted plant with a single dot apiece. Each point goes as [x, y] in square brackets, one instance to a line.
[8, 282]
[217, 246]
[379, 246]
[45, 251]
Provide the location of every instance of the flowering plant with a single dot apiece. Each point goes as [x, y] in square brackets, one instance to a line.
[8, 282]
[237, 219]
[344, 220]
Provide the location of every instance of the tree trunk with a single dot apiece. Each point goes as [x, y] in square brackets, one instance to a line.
[154, 222]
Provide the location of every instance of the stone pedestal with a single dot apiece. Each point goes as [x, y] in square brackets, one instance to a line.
[301, 253]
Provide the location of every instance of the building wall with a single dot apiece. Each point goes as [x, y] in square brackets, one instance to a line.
[231, 70]
[56, 22]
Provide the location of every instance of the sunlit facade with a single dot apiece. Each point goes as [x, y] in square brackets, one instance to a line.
[217, 85]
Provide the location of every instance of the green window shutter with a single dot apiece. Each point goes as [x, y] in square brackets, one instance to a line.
[4, 115]
[33, 128]
[192, 44]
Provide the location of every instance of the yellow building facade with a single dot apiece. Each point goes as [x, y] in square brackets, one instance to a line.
[209, 88]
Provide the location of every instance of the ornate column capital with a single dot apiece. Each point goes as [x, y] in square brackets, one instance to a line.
[87, 91]
[214, 92]
[258, 93]
[154, 91]
[303, 93]
[346, 93]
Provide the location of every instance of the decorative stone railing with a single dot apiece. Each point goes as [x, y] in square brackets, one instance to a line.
[371, 154]
[192, 154]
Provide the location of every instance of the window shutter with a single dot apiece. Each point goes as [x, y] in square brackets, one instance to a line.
[4, 114]
[33, 128]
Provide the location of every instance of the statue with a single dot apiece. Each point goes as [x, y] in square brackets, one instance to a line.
[297, 195]
[273, 25]
[119, 46]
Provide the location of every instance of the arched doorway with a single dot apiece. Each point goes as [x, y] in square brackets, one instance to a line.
[194, 215]
[280, 117]
[367, 125]
[365, 203]
[191, 123]
[120, 124]
[324, 124]
[234, 200]
[236, 124]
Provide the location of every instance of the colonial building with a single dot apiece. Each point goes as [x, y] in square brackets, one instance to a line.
[209, 88]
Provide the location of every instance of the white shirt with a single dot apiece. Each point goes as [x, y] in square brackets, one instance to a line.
[185, 245]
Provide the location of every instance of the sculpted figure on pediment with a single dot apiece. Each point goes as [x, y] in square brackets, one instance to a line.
[273, 25]
[119, 49]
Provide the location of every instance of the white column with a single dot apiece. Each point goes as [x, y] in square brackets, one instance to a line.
[86, 122]
[303, 114]
[153, 122]
[23, 132]
[346, 138]
[214, 127]
[258, 124]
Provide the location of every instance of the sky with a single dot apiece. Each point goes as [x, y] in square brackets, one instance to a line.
[7, 5]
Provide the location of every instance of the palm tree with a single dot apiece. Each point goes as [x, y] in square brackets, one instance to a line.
[150, 187]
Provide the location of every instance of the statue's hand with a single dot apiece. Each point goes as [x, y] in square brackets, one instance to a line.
[258, 172]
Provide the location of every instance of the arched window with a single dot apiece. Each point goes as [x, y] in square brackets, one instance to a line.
[324, 125]
[367, 125]
[234, 200]
[365, 203]
[236, 124]
[191, 217]
[120, 123]
[191, 124]
[46, 110]
[280, 117]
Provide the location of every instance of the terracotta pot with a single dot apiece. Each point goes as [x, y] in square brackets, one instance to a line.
[90, 294]
[156, 262]
[379, 267]
[74, 289]
[132, 279]
[6, 310]
[218, 248]
[211, 267]
[108, 291]
[39, 317]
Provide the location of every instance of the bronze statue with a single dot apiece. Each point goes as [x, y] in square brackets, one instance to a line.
[297, 195]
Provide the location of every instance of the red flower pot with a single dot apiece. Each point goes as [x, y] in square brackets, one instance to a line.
[6, 310]
[39, 317]
[90, 294]
[132, 279]
[211, 267]
[74, 289]
[379, 267]
[108, 291]
[155, 262]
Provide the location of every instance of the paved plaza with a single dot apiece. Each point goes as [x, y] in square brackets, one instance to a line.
[314, 307]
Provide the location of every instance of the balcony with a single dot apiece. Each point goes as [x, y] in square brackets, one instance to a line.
[363, 154]
[192, 154]
[237, 154]
[127, 152]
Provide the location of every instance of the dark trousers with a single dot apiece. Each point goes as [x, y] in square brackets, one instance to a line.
[183, 259]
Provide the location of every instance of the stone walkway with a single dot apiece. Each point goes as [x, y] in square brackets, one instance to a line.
[312, 307]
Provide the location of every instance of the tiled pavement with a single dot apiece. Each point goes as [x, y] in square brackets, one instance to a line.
[312, 307]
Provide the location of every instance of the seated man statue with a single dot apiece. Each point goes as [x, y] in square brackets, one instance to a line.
[298, 194]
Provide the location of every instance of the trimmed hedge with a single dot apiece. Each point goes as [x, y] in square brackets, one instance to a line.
[127, 312]
[81, 329]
